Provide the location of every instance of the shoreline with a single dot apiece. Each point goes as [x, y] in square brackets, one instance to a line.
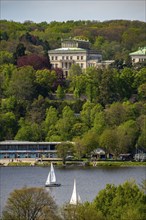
[33, 162]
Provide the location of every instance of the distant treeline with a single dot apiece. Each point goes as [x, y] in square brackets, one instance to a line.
[114, 39]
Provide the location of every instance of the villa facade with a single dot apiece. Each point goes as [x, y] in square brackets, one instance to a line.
[74, 51]
[138, 56]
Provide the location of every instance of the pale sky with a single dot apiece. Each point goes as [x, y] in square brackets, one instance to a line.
[58, 10]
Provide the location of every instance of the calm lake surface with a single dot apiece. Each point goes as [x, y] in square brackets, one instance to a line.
[89, 180]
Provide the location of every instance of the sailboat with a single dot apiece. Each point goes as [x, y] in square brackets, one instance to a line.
[51, 179]
[75, 198]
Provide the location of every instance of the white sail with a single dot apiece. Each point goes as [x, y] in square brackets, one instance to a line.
[51, 176]
[75, 198]
[48, 179]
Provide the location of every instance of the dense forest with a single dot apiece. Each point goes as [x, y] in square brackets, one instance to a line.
[95, 108]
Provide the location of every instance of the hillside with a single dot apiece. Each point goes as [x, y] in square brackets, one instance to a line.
[107, 107]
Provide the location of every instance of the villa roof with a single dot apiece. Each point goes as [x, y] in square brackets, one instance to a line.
[140, 52]
[68, 50]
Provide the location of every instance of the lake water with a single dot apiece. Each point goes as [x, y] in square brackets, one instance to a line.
[89, 180]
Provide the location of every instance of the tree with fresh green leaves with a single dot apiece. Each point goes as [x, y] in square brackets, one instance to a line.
[29, 131]
[86, 113]
[117, 202]
[99, 123]
[78, 129]
[142, 91]
[8, 126]
[51, 117]
[44, 80]
[60, 94]
[6, 71]
[6, 57]
[8, 104]
[127, 134]
[65, 123]
[141, 123]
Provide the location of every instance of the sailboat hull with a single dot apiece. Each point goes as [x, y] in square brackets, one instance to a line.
[53, 185]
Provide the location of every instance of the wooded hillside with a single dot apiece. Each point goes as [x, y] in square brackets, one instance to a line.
[96, 108]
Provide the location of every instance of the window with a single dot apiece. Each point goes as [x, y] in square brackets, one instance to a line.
[66, 57]
[81, 57]
[82, 65]
[52, 57]
[77, 57]
[62, 57]
[70, 57]
[66, 73]
[56, 58]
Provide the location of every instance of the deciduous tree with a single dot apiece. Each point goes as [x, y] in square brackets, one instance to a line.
[30, 203]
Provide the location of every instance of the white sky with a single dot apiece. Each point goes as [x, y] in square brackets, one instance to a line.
[58, 10]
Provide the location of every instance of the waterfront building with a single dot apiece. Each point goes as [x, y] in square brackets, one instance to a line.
[27, 149]
[74, 51]
[138, 56]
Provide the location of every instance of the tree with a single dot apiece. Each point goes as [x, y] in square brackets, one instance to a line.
[36, 61]
[86, 113]
[60, 94]
[92, 82]
[44, 81]
[37, 110]
[29, 131]
[64, 149]
[107, 88]
[30, 203]
[140, 77]
[126, 82]
[90, 141]
[49, 124]
[75, 70]
[117, 202]
[22, 84]
[20, 51]
[108, 141]
[8, 126]
[6, 72]
[142, 91]
[65, 123]
[141, 122]
[127, 134]
[6, 57]
[115, 114]
[84, 211]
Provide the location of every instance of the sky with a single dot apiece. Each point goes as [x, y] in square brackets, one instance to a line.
[58, 10]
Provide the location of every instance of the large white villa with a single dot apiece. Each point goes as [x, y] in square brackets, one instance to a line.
[139, 55]
[74, 51]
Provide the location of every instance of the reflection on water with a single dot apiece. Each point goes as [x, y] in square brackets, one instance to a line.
[89, 180]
